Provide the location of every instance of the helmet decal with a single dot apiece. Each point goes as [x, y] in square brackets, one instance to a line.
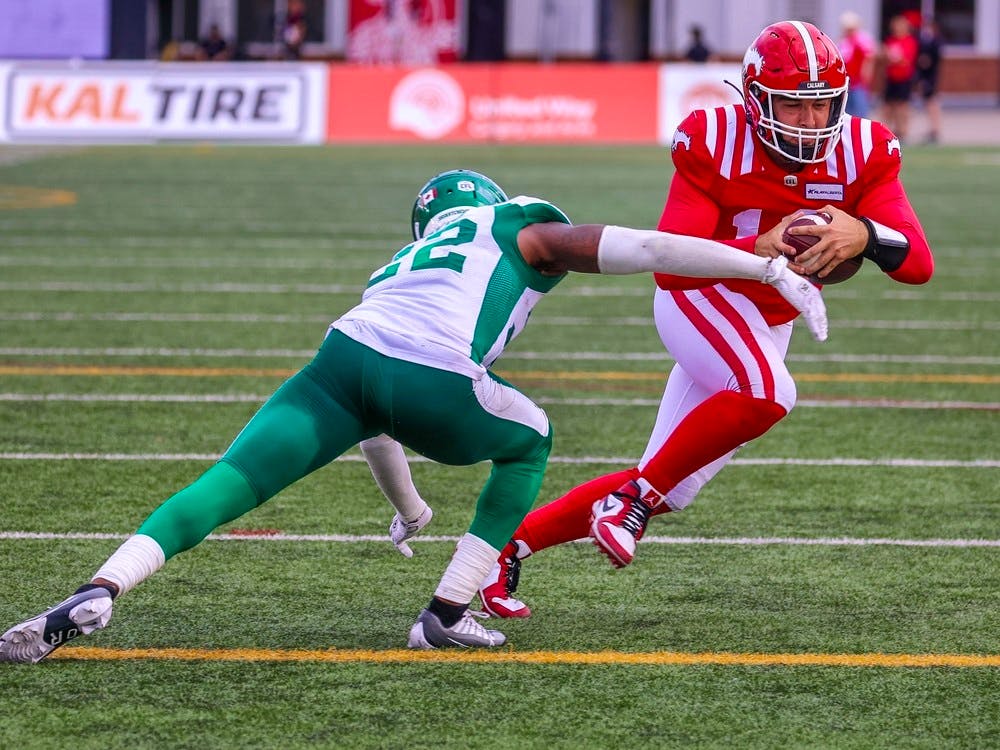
[753, 59]
[426, 197]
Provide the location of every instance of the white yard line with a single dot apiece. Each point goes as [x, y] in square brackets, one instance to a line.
[72, 351]
[908, 463]
[662, 356]
[759, 541]
[541, 320]
[145, 317]
[365, 260]
[182, 288]
[607, 290]
[241, 398]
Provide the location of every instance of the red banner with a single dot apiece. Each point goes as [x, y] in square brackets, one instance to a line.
[505, 102]
[402, 32]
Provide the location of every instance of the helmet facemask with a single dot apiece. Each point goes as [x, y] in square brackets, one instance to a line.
[802, 145]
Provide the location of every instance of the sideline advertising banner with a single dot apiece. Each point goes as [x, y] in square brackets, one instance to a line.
[110, 102]
[579, 102]
[684, 87]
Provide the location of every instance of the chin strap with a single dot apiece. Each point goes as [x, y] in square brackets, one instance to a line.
[887, 248]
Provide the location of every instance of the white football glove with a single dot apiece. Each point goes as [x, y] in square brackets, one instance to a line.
[800, 294]
[400, 530]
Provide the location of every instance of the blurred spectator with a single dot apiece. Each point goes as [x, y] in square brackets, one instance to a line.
[698, 51]
[293, 33]
[171, 51]
[214, 47]
[900, 53]
[928, 68]
[411, 32]
[858, 49]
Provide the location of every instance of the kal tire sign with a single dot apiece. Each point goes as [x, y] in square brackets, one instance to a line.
[164, 102]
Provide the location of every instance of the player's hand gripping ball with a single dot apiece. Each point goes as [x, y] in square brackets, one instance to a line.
[802, 242]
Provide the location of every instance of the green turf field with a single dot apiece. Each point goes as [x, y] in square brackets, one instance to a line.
[151, 298]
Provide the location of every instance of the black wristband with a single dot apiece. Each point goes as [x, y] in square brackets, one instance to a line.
[886, 248]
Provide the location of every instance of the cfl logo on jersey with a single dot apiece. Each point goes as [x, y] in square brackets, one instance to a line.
[427, 196]
[466, 186]
[893, 145]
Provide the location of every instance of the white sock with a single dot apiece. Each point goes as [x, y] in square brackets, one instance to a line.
[136, 560]
[391, 471]
[523, 550]
[469, 565]
[649, 494]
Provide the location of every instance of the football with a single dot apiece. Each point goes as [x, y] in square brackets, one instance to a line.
[802, 242]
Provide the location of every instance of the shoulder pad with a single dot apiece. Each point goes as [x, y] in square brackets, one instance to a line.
[538, 211]
[689, 151]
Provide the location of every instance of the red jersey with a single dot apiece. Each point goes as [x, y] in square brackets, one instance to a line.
[901, 58]
[727, 188]
[857, 47]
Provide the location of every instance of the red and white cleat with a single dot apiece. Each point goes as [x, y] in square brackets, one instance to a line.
[497, 591]
[619, 520]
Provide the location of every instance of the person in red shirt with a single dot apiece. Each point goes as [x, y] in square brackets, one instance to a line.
[900, 51]
[742, 174]
[858, 49]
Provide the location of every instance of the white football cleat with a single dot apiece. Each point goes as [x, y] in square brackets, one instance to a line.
[618, 522]
[34, 639]
[429, 632]
[800, 293]
[400, 530]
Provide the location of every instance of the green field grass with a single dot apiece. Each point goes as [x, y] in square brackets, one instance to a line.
[165, 275]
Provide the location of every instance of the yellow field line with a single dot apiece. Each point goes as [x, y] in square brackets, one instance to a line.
[19, 196]
[507, 656]
[207, 372]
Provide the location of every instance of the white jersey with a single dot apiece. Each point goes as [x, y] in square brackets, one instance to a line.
[454, 299]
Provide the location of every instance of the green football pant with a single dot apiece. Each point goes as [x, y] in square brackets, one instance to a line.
[348, 393]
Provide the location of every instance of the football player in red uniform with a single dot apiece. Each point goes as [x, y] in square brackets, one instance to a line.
[742, 171]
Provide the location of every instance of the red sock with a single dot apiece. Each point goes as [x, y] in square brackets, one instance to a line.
[716, 426]
[568, 517]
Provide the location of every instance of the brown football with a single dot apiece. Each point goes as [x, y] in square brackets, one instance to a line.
[802, 242]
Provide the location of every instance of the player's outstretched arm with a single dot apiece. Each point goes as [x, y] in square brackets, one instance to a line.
[595, 248]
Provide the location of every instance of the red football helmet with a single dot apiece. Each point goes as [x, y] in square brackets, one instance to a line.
[796, 60]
